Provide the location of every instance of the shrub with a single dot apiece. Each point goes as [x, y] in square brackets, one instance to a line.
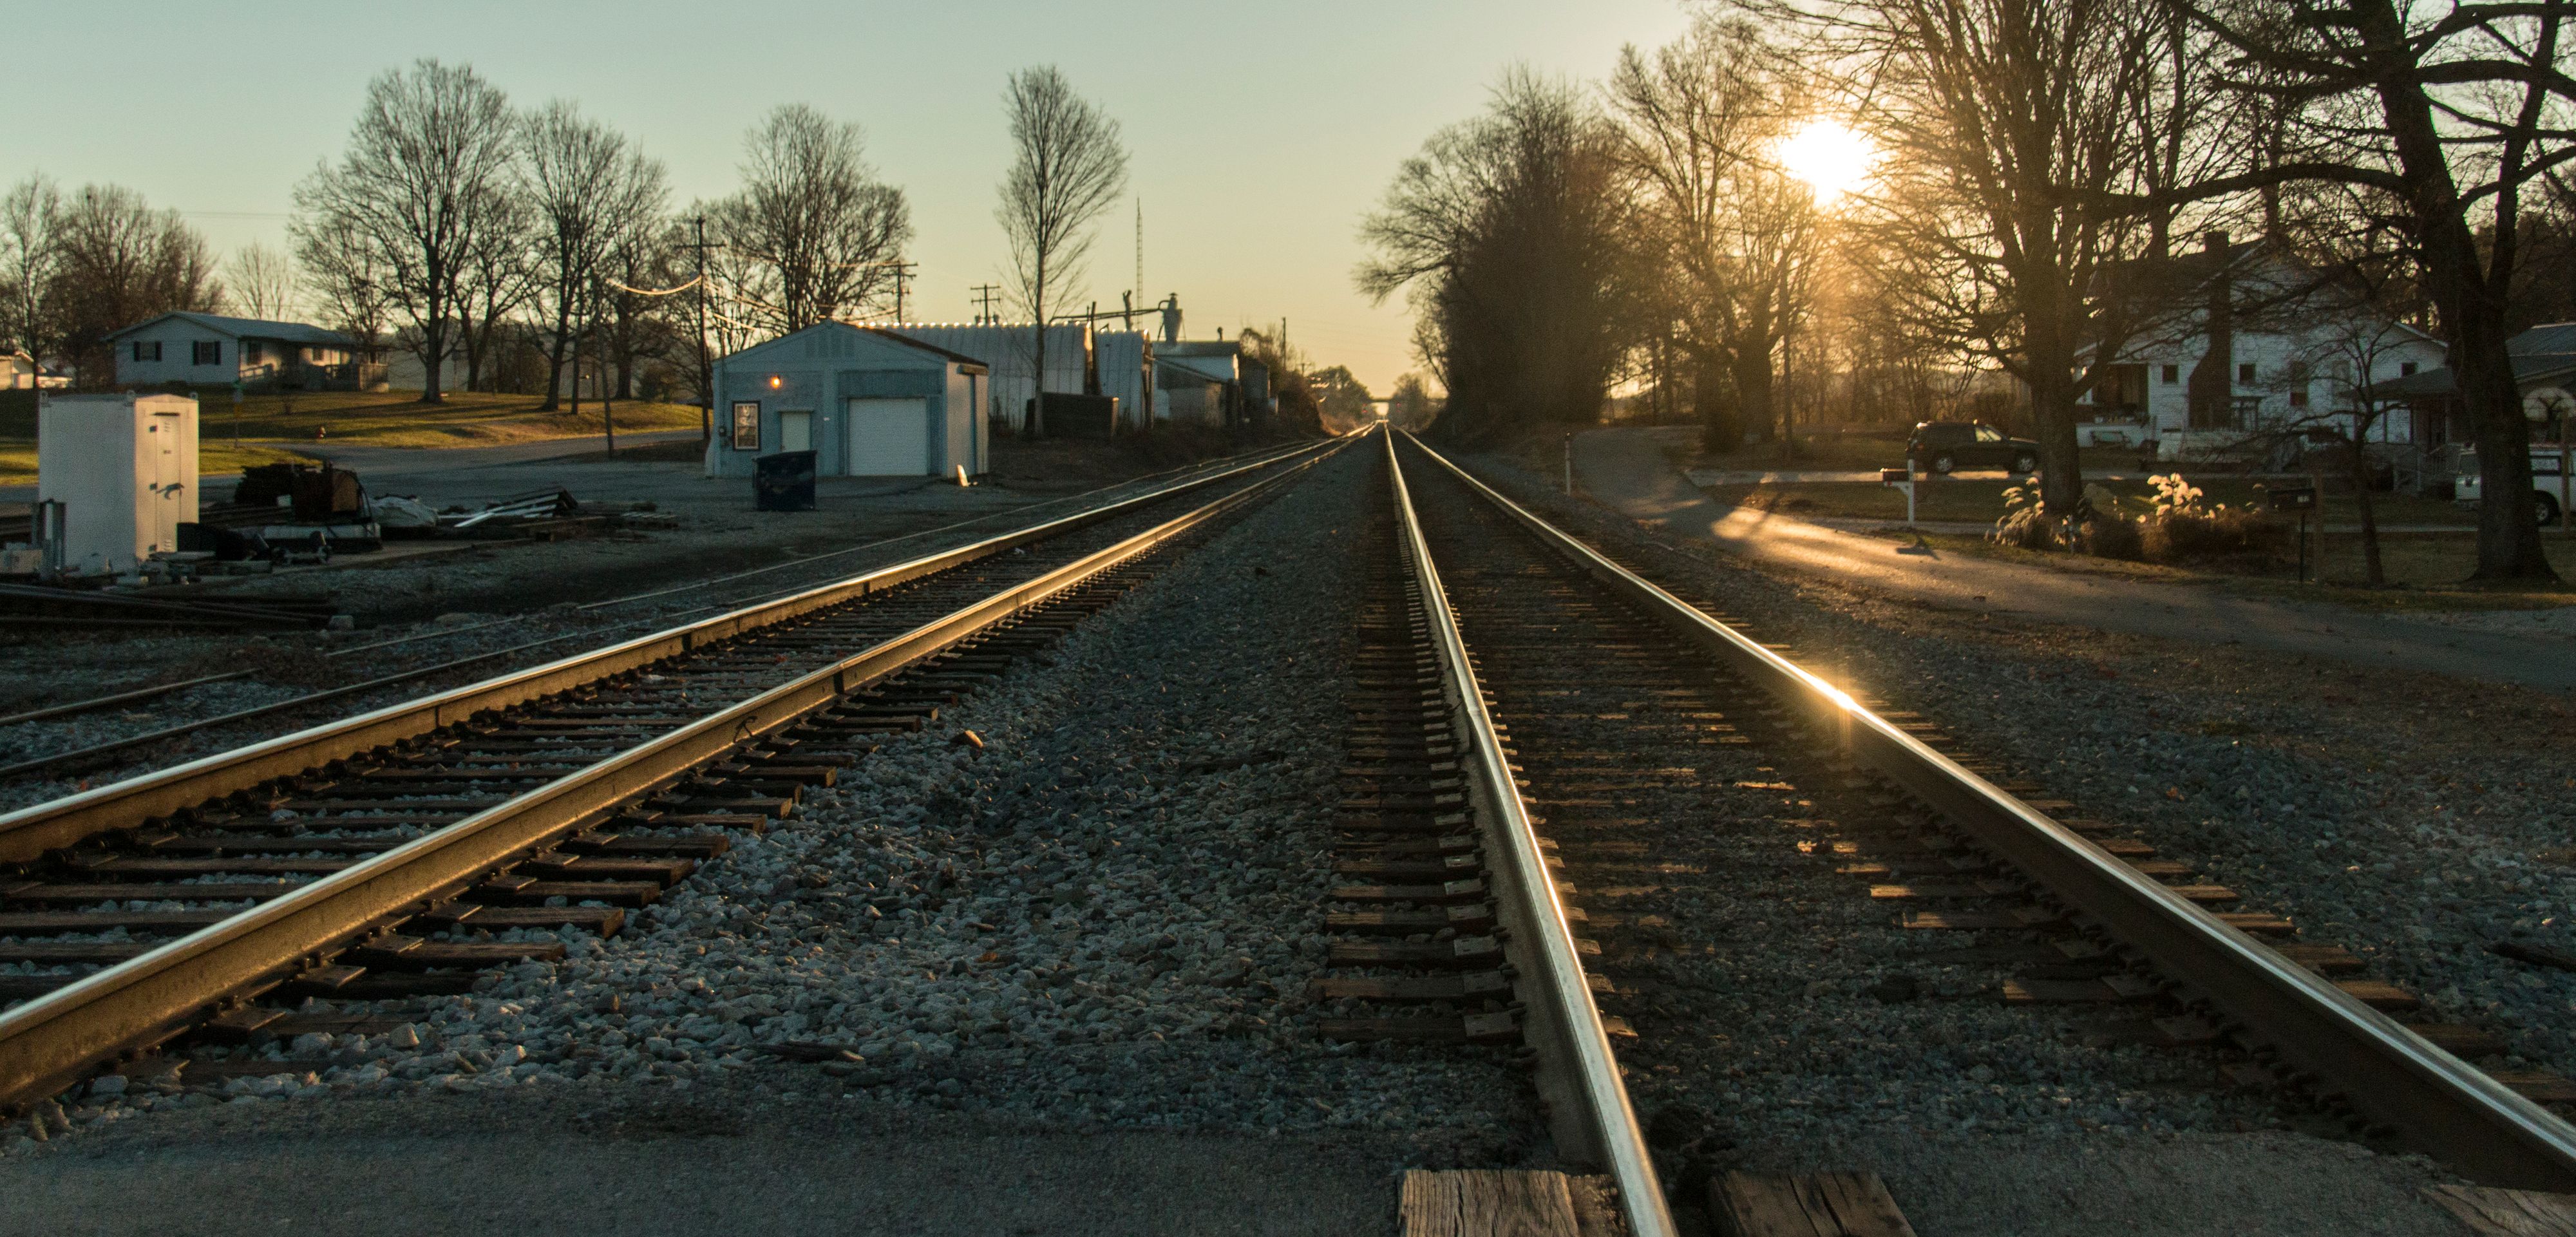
[2183, 527]
[2108, 534]
[2025, 523]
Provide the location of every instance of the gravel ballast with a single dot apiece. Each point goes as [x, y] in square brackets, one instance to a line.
[1105, 917]
[2414, 819]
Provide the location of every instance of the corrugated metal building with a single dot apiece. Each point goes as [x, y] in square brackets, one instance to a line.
[1124, 361]
[866, 402]
[1009, 350]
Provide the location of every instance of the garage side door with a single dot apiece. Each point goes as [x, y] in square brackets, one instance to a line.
[889, 437]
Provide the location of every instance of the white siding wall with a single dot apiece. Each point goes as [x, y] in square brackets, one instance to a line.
[175, 337]
[2272, 356]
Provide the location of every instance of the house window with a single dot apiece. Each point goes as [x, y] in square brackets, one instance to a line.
[147, 351]
[2245, 373]
[253, 352]
[2405, 369]
[746, 425]
[206, 352]
[2170, 375]
[2298, 399]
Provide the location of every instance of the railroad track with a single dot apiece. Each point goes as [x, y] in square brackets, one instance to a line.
[403, 851]
[1547, 751]
[62, 763]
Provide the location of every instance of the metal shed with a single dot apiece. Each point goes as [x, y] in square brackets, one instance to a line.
[124, 468]
[868, 403]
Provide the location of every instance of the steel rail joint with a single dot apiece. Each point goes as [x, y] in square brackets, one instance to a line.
[26, 834]
[2434, 1101]
[50, 1042]
[1589, 1111]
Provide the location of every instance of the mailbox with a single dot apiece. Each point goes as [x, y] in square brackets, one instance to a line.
[1895, 476]
[2292, 498]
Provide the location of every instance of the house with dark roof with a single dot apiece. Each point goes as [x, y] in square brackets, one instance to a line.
[197, 349]
[2544, 371]
[2256, 343]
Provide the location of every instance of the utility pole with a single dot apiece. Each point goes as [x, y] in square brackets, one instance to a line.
[902, 273]
[599, 346]
[706, 367]
[984, 295]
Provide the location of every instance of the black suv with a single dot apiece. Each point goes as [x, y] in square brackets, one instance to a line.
[1947, 446]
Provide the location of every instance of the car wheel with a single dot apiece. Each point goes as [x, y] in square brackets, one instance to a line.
[2545, 504]
[2025, 462]
[1944, 464]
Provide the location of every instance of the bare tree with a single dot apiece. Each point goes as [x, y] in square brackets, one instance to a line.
[813, 235]
[260, 281]
[426, 162]
[1510, 232]
[2008, 127]
[2451, 114]
[1737, 236]
[498, 279]
[30, 230]
[349, 277]
[591, 192]
[122, 263]
[1067, 167]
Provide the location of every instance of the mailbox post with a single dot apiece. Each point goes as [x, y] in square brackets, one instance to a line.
[2301, 499]
[1901, 479]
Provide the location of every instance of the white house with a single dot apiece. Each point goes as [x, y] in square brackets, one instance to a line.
[212, 350]
[868, 402]
[2271, 345]
[20, 372]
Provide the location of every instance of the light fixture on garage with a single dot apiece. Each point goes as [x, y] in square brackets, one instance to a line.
[773, 382]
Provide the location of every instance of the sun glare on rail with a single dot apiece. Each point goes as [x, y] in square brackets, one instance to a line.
[1830, 156]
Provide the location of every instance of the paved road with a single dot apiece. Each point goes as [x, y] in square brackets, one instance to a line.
[1625, 470]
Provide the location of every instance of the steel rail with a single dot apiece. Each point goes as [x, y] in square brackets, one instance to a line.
[27, 834]
[1588, 1109]
[50, 1042]
[2431, 1100]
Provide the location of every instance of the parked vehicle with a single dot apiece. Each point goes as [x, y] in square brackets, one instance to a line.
[1947, 446]
[2548, 468]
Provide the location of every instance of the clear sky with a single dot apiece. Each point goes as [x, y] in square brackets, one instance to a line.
[1258, 134]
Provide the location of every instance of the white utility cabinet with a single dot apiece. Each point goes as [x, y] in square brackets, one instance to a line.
[125, 469]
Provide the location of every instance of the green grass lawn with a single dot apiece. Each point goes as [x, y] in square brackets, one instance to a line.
[267, 428]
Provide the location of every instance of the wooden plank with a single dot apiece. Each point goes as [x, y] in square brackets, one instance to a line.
[101, 921]
[1838, 1204]
[2538, 1086]
[1482, 1202]
[1456, 987]
[2387, 998]
[2508, 1213]
[2465, 1042]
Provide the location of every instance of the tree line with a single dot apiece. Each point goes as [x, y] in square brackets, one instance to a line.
[461, 228]
[2043, 167]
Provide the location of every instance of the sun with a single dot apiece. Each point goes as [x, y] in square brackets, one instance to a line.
[1829, 156]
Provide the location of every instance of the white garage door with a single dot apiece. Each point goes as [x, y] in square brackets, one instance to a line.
[889, 437]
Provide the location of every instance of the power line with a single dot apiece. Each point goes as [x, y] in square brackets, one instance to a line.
[984, 294]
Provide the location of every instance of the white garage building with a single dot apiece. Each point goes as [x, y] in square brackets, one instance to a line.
[867, 402]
